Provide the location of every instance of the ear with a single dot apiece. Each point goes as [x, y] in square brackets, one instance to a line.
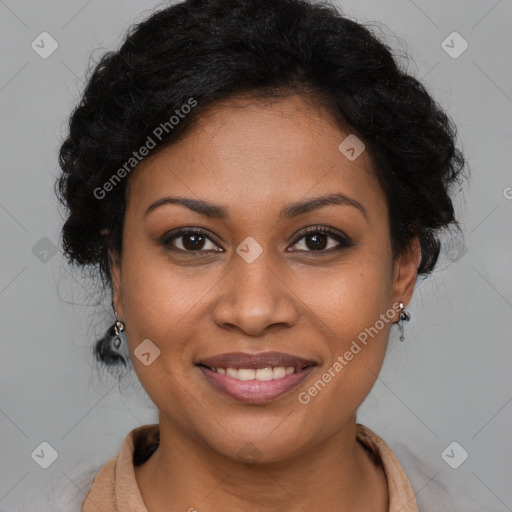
[405, 272]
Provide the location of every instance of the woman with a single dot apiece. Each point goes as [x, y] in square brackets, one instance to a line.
[259, 185]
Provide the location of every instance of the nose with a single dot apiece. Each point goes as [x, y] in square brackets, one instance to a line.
[255, 298]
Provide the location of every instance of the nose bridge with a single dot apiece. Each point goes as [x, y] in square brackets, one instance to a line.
[255, 280]
[254, 298]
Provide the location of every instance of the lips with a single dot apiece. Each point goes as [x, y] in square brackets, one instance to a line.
[255, 378]
[255, 361]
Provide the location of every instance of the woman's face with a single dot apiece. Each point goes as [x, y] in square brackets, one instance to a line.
[254, 281]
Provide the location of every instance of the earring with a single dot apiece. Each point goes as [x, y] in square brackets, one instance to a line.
[118, 328]
[115, 341]
[403, 316]
[112, 348]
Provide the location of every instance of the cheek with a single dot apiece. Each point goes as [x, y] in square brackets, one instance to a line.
[352, 308]
[157, 296]
[349, 297]
[167, 304]
[161, 306]
[158, 304]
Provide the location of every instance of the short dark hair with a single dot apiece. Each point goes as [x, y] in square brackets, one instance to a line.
[212, 50]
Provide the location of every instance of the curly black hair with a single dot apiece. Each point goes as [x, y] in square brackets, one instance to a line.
[199, 52]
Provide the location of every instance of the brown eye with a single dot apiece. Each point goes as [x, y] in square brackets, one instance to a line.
[321, 239]
[193, 242]
[189, 241]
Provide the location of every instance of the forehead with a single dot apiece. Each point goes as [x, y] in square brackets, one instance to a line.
[248, 153]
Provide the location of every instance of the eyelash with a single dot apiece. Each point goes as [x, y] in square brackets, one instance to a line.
[344, 242]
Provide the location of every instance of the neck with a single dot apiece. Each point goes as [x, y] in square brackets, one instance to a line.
[336, 474]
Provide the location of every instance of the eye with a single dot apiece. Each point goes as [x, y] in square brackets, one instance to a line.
[189, 240]
[318, 239]
[321, 239]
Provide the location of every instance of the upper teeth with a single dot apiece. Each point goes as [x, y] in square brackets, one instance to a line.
[256, 374]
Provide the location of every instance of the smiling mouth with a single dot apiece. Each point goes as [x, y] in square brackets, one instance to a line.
[256, 378]
[261, 374]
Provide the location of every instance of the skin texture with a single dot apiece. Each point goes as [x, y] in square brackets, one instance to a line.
[253, 157]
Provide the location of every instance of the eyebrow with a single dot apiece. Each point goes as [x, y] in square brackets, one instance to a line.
[288, 211]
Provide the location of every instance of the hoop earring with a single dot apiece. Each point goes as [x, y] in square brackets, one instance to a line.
[403, 316]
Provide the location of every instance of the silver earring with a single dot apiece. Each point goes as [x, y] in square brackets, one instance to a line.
[112, 348]
[117, 340]
[118, 329]
[403, 316]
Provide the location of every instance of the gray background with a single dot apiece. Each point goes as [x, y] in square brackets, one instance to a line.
[450, 380]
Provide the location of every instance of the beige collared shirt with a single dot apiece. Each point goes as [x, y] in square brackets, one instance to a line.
[115, 488]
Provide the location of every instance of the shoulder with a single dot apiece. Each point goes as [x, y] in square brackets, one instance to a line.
[79, 492]
[118, 473]
[430, 493]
